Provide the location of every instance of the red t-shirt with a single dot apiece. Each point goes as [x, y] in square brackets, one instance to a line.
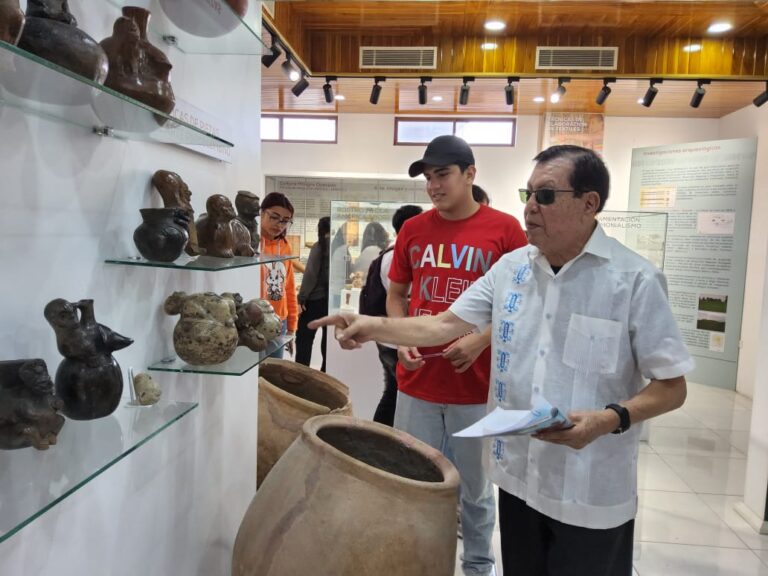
[442, 258]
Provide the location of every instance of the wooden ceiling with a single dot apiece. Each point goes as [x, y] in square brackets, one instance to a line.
[326, 37]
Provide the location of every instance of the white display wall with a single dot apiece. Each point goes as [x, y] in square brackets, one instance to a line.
[70, 200]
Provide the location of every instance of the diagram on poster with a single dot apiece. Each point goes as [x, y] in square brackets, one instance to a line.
[715, 222]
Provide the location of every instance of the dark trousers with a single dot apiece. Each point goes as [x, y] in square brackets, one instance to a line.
[385, 411]
[533, 544]
[305, 338]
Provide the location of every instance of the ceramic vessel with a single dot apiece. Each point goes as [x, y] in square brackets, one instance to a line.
[89, 380]
[352, 498]
[162, 235]
[207, 18]
[176, 194]
[248, 207]
[29, 411]
[206, 333]
[11, 21]
[219, 232]
[51, 32]
[290, 394]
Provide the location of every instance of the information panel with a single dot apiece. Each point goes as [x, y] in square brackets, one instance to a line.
[706, 189]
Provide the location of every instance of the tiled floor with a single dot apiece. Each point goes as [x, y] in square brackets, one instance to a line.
[690, 475]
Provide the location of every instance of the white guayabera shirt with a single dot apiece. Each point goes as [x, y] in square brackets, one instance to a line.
[583, 338]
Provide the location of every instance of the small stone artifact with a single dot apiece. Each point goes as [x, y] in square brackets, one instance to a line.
[29, 412]
[290, 394]
[256, 322]
[176, 194]
[136, 67]
[89, 380]
[206, 332]
[147, 390]
[11, 21]
[51, 32]
[220, 233]
[248, 209]
[163, 233]
[312, 514]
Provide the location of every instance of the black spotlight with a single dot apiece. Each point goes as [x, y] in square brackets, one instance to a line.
[423, 90]
[376, 90]
[328, 89]
[287, 67]
[605, 91]
[560, 92]
[300, 86]
[274, 54]
[509, 90]
[698, 94]
[761, 98]
[464, 92]
[650, 94]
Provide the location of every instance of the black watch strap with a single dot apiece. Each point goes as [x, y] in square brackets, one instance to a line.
[623, 413]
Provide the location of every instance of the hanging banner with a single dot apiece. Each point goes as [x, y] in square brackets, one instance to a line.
[706, 189]
[574, 128]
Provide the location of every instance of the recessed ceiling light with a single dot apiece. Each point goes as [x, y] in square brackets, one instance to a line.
[495, 25]
[539, 99]
[437, 98]
[718, 27]
[488, 46]
[692, 48]
[340, 97]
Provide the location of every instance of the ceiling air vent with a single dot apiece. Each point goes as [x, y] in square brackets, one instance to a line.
[576, 58]
[423, 58]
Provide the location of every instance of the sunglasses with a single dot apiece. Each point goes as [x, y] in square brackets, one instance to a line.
[543, 195]
[275, 217]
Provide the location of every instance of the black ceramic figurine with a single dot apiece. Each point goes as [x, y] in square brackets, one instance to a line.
[28, 409]
[248, 208]
[163, 233]
[89, 380]
[51, 32]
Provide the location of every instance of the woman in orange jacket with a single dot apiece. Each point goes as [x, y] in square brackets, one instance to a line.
[277, 283]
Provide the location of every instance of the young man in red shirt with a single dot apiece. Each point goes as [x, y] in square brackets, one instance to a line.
[441, 390]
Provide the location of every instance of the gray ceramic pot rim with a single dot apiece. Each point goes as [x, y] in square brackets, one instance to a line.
[366, 472]
[326, 379]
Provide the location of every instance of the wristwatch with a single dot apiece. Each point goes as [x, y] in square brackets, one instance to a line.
[623, 413]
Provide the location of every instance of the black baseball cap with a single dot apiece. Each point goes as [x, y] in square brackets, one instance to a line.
[443, 151]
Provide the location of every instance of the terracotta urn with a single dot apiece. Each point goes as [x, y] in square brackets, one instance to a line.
[136, 67]
[89, 380]
[289, 395]
[207, 18]
[51, 32]
[352, 498]
[11, 21]
[162, 235]
[206, 333]
[29, 411]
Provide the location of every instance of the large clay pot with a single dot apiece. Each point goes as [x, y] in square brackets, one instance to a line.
[205, 17]
[289, 395]
[51, 32]
[136, 67]
[162, 235]
[352, 498]
[11, 21]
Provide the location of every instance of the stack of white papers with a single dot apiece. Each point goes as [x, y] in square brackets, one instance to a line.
[502, 422]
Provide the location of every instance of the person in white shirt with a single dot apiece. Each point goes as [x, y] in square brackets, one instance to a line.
[583, 321]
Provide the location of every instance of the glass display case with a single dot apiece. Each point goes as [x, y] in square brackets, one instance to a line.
[359, 231]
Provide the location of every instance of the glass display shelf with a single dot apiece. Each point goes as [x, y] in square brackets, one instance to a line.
[47, 90]
[204, 26]
[238, 364]
[204, 263]
[33, 481]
